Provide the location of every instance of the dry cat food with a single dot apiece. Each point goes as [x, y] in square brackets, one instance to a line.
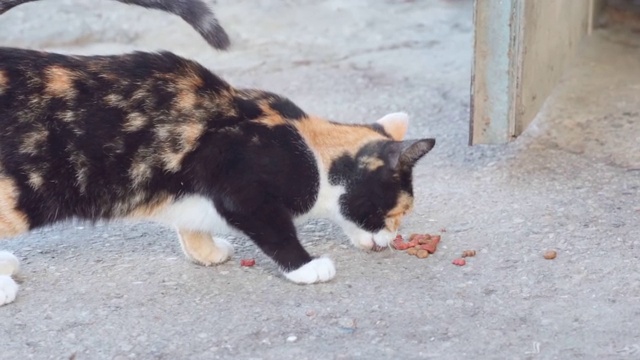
[468, 253]
[550, 254]
[420, 245]
[247, 262]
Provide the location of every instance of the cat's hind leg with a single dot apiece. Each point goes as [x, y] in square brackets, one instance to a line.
[8, 288]
[202, 248]
[12, 222]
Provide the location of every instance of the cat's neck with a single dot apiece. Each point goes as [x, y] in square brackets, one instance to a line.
[331, 140]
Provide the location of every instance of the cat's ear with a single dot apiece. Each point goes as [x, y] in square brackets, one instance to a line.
[395, 124]
[403, 155]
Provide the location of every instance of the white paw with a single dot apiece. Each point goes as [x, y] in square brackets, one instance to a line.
[9, 264]
[225, 250]
[8, 289]
[317, 270]
[364, 243]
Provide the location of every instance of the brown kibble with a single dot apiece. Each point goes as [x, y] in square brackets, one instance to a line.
[550, 254]
[420, 245]
[424, 239]
[422, 253]
[459, 262]
[398, 243]
[247, 262]
[431, 247]
[401, 246]
[414, 241]
[468, 253]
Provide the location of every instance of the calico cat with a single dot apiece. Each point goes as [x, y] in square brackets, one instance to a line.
[195, 12]
[156, 136]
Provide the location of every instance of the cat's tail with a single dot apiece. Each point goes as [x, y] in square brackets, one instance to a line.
[195, 12]
[6, 5]
[9, 265]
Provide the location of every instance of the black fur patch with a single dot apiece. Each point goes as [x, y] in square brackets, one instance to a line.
[370, 194]
[248, 108]
[95, 137]
[286, 108]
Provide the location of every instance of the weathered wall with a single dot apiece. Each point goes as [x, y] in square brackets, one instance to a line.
[522, 48]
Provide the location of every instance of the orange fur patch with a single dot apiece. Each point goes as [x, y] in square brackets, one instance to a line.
[188, 86]
[404, 204]
[152, 208]
[140, 171]
[270, 118]
[4, 81]
[186, 99]
[371, 163]
[331, 140]
[116, 100]
[12, 220]
[36, 180]
[199, 246]
[189, 134]
[59, 82]
[32, 142]
[135, 121]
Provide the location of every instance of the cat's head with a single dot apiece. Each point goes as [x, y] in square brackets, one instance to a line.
[377, 181]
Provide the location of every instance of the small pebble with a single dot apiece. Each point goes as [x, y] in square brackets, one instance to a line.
[550, 254]
[348, 323]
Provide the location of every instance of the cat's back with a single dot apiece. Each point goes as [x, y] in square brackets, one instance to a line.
[97, 102]
[81, 136]
[28, 74]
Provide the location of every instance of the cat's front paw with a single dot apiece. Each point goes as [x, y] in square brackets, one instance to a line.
[8, 289]
[9, 263]
[317, 270]
[372, 242]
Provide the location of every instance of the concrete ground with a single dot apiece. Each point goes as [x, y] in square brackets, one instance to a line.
[571, 183]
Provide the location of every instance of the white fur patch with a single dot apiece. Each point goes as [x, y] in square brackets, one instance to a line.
[9, 265]
[226, 249]
[317, 270]
[328, 201]
[327, 206]
[195, 213]
[395, 124]
[8, 289]
[363, 239]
